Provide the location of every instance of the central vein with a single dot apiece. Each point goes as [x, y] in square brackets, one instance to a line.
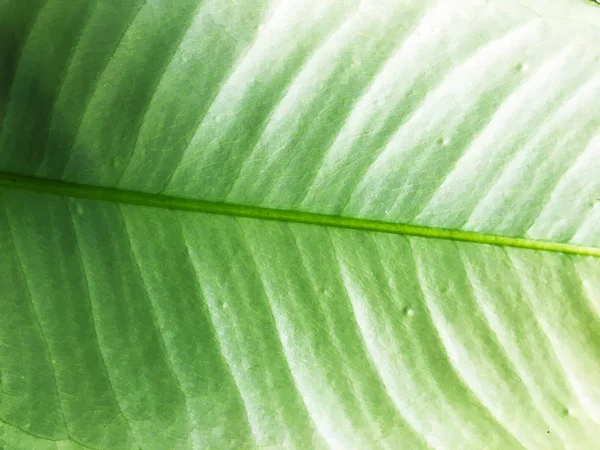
[166, 202]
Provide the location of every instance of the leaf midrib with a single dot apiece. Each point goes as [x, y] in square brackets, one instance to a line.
[67, 189]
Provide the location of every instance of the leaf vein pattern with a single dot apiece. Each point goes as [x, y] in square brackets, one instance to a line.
[28, 31]
[38, 324]
[156, 84]
[439, 322]
[406, 117]
[61, 82]
[86, 101]
[211, 319]
[94, 330]
[273, 311]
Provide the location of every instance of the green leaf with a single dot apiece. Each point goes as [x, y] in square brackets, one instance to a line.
[336, 224]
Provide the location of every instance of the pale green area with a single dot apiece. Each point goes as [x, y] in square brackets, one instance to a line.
[124, 325]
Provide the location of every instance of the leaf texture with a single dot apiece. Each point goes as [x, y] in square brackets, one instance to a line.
[129, 327]
[413, 112]
[180, 330]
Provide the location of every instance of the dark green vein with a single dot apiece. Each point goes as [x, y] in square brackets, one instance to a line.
[66, 189]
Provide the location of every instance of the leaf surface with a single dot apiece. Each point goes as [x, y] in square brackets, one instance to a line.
[129, 326]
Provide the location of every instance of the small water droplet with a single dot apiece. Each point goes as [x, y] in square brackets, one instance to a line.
[566, 412]
[79, 210]
[409, 312]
